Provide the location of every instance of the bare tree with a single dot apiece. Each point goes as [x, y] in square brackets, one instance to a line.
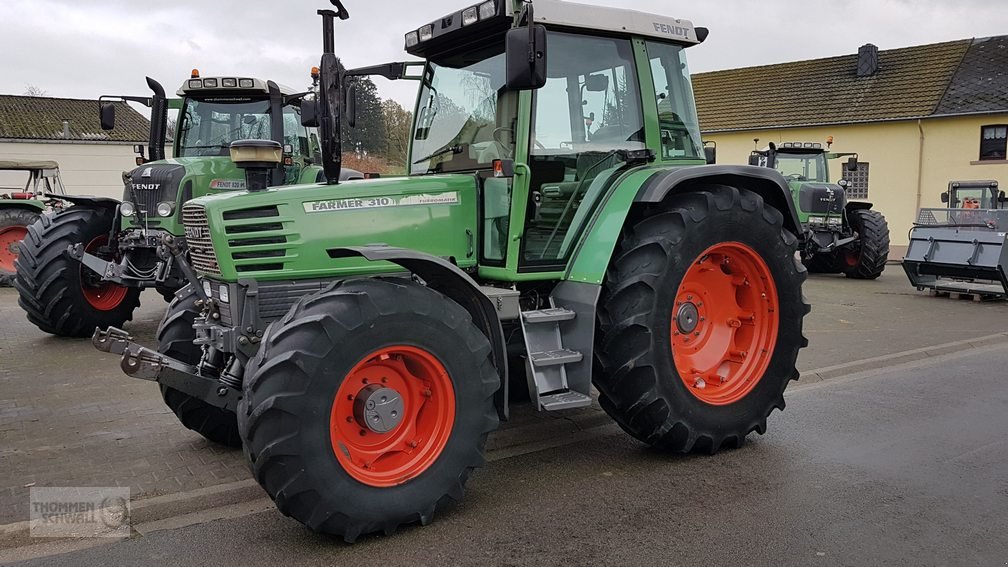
[32, 90]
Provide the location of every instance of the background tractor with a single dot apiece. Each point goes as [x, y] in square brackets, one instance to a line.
[962, 248]
[840, 235]
[113, 245]
[362, 379]
[21, 206]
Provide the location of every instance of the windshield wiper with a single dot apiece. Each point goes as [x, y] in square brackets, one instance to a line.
[453, 149]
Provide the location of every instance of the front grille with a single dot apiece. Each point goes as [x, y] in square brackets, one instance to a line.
[197, 230]
[256, 239]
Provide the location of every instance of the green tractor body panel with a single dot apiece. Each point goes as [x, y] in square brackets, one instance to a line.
[286, 233]
[30, 204]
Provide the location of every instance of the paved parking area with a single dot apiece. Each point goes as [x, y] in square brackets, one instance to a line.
[69, 417]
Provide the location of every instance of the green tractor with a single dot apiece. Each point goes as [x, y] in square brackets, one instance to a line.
[21, 206]
[839, 235]
[85, 265]
[355, 339]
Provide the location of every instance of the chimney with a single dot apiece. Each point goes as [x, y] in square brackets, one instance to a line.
[867, 60]
[66, 129]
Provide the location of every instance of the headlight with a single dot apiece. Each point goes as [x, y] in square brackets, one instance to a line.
[469, 16]
[834, 221]
[487, 10]
[207, 288]
[229, 83]
[165, 209]
[817, 220]
[195, 83]
[426, 32]
[127, 209]
[246, 83]
[210, 83]
[224, 293]
[411, 39]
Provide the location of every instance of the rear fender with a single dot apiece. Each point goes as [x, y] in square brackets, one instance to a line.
[88, 201]
[33, 206]
[449, 279]
[642, 187]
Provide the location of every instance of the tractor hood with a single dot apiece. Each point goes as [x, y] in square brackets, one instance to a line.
[819, 198]
[174, 180]
[287, 232]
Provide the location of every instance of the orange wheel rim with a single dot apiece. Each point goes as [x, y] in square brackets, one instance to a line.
[392, 416]
[102, 295]
[724, 323]
[9, 237]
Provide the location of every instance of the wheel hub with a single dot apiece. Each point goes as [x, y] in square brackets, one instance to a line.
[687, 317]
[378, 408]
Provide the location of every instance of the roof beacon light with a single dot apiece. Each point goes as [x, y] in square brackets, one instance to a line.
[315, 72]
[194, 74]
[426, 32]
[487, 9]
[469, 16]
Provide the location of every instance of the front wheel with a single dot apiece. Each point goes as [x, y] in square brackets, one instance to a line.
[867, 259]
[700, 321]
[60, 295]
[367, 406]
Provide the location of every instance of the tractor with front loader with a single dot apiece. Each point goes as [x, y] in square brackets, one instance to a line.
[963, 247]
[840, 235]
[355, 339]
[21, 206]
[85, 265]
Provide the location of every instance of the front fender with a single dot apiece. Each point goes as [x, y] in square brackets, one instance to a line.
[88, 200]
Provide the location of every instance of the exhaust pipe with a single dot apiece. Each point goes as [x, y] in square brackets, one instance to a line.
[159, 121]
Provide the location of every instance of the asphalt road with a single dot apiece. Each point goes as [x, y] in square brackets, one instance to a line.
[900, 466]
[840, 473]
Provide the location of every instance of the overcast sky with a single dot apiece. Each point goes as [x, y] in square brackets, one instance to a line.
[86, 48]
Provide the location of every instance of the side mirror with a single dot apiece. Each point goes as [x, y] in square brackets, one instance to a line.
[852, 163]
[309, 113]
[710, 152]
[351, 107]
[944, 197]
[597, 83]
[1002, 198]
[526, 57]
[107, 116]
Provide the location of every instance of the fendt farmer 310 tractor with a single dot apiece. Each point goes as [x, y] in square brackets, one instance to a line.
[839, 235]
[86, 265]
[360, 354]
[21, 206]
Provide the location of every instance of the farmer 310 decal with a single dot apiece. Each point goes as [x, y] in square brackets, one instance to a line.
[84, 267]
[840, 235]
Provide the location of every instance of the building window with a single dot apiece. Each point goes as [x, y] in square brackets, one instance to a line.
[993, 142]
[857, 187]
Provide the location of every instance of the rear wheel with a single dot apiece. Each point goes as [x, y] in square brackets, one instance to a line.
[175, 338]
[867, 259]
[58, 293]
[700, 321]
[367, 406]
[13, 228]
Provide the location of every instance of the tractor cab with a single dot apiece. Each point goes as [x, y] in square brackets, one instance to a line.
[974, 195]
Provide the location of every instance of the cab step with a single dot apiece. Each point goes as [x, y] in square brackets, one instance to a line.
[547, 357]
[564, 400]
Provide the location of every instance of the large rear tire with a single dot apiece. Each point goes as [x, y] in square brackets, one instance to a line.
[59, 294]
[14, 223]
[700, 321]
[868, 259]
[175, 338]
[373, 343]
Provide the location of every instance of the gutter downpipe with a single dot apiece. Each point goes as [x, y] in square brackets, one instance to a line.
[920, 165]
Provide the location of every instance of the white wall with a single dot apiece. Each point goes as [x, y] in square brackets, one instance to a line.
[87, 169]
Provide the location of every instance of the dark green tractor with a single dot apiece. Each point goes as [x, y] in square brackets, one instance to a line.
[840, 235]
[85, 266]
[559, 228]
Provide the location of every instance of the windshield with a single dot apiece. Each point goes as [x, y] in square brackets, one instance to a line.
[803, 167]
[465, 118]
[207, 127]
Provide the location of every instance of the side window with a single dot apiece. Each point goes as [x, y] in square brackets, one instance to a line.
[588, 110]
[677, 121]
[994, 142]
